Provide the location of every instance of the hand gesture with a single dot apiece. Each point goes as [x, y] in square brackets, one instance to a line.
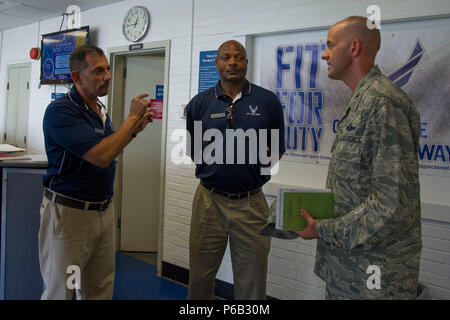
[146, 119]
[139, 106]
[310, 231]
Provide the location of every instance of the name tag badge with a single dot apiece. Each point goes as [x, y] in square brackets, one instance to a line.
[217, 115]
[101, 131]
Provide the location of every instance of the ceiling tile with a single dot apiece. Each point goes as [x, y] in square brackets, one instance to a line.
[58, 6]
[16, 13]
[30, 12]
[9, 22]
[5, 5]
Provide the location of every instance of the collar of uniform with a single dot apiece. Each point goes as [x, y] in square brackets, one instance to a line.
[363, 85]
[246, 89]
[75, 96]
[366, 81]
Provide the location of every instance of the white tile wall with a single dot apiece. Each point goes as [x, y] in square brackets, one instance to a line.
[435, 262]
[214, 21]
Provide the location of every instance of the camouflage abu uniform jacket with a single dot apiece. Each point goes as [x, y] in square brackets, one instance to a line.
[374, 176]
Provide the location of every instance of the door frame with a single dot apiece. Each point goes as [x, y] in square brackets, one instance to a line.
[115, 103]
[5, 115]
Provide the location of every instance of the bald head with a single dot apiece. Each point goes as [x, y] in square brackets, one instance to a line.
[231, 63]
[232, 44]
[356, 27]
[351, 50]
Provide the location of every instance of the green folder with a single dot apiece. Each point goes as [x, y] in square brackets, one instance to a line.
[318, 204]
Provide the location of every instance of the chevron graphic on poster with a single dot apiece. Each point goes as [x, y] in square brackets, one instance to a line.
[402, 75]
[313, 103]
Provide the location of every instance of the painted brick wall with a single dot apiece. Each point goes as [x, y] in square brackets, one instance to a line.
[435, 262]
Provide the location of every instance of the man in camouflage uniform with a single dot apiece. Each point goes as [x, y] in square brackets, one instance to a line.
[373, 173]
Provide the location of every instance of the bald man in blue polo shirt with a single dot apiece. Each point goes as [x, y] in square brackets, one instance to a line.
[233, 117]
[76, 236]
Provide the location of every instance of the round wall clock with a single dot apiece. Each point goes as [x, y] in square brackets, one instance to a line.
[136, 23]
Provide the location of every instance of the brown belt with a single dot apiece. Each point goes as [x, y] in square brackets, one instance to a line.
[78, 204]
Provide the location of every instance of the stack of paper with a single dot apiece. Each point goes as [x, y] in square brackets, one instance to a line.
[318, 202]
[8, 151]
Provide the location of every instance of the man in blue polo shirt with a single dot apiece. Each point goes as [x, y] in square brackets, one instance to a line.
[76, 236]
[235, 119]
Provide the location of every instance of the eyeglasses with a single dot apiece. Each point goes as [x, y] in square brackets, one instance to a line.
[230, 116]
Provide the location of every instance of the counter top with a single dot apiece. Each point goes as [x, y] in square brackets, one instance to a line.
[33, 161]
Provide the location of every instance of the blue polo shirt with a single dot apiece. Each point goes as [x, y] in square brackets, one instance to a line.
[257, 109]
[70, 130]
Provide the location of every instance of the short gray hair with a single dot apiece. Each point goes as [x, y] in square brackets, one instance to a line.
[77, 59]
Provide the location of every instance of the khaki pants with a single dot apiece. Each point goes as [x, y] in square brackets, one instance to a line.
[81, 238]
[215, 220]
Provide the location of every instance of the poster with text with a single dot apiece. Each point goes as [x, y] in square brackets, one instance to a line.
[207, 73]
[415, 60]
[156, 106]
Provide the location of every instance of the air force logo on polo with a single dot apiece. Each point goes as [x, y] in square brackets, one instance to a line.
[253, 111]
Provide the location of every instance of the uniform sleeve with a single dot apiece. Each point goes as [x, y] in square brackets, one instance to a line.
[71, 131]
[389, 137]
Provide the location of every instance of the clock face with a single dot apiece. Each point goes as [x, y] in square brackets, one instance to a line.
[136, 23]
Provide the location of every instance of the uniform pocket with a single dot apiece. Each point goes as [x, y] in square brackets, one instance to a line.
[259, 207]
[201, 203]
[58, 216]
[345, 176]
[44, 214]
[347, 154]
[42, 208]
